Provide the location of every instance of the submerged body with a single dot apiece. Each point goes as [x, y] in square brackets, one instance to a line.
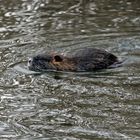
[85, 59]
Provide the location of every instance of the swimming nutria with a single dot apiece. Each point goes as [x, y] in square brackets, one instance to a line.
[85, 59]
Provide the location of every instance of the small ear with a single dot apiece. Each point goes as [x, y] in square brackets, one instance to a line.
[58, 58]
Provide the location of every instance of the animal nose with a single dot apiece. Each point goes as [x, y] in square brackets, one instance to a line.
[30, 60]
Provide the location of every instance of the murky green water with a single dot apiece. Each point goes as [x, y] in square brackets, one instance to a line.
[70, 106]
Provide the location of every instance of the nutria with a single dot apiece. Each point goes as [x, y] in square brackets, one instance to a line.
[85, 59]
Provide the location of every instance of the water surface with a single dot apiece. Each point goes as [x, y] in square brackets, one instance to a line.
[66, 105]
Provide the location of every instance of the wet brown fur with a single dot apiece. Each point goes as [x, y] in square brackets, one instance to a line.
[66, 65]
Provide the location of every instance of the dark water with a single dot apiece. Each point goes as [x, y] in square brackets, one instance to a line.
[70, 106]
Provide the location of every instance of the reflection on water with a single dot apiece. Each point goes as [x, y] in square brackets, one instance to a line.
[67, 105]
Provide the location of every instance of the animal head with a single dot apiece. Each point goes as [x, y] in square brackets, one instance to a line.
[44, 62]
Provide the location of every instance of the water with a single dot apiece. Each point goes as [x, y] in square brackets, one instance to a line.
[65, 105]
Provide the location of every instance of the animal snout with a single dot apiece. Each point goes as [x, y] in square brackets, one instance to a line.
[30, 60]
